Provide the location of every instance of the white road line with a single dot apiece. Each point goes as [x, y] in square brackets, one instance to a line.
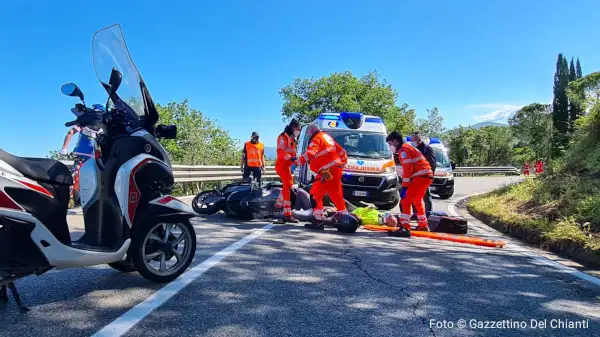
[122, 324]
[521, 249]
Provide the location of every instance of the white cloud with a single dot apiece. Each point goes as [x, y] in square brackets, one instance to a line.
[500, 112]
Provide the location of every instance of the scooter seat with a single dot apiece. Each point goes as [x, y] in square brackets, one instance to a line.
[39, 169]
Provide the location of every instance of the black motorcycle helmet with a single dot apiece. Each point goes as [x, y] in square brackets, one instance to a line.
[346, 223]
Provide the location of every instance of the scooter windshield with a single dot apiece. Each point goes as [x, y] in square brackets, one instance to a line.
[110, 51]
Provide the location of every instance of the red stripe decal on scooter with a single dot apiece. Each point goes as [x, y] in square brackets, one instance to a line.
[7, 202]
[37, 188]
[166, 200]
[134, 192]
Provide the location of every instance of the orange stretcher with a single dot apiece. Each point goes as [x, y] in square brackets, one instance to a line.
[443, 236]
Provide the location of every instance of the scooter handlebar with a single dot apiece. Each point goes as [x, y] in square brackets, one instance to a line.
[71, 123]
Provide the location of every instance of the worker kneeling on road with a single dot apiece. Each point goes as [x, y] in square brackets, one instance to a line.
[416, 178]
[286, 150]
[326, 158]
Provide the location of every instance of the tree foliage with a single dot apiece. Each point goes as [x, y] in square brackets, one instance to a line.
[433, 126]
[200, 141]
[56, 155]
[560, 103]
[532, 127]
[488, 146]
[306, 99]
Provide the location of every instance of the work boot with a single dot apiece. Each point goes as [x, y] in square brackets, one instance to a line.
[422, 228]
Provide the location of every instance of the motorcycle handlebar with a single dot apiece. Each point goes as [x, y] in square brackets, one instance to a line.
[71, 123]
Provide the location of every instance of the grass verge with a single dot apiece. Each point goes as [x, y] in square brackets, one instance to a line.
[558, 213]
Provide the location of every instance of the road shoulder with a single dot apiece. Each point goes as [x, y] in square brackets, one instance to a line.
[476, 227]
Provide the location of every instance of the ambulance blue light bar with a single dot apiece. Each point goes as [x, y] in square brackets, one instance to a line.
[373, 120]
[329, 117]
[434, 141]
[353, 120]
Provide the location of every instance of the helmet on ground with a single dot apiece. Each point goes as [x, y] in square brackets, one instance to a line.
[346, 223]
[311, 129]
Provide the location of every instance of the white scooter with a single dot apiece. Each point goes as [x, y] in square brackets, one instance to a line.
[131, 221]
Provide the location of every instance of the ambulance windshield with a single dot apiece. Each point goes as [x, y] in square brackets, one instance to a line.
[367, 145]
[442, 159]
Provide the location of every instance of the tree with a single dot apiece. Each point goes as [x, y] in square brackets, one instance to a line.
[578, 70]
[305, 99]
[560, 103]
[459, 140]
[200, 141]
[585, 92]
[573, 111]
[433, 126]
[532, 127]
[56, 155]
[401, 119]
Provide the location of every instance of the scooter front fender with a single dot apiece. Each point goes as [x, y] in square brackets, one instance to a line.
[167, 209]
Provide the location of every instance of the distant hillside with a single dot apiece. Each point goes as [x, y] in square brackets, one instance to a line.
[482, 125]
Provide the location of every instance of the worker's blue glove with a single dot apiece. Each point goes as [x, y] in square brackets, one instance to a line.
[293, 168]
[403, 192]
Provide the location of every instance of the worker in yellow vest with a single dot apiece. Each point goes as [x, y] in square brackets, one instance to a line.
[253, 158]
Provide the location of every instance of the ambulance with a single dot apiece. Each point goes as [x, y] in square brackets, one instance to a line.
[370, 175]
[443, 181]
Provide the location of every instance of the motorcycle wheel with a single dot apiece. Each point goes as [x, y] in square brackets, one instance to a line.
[210, 209]
[124, 266]
[157, 244]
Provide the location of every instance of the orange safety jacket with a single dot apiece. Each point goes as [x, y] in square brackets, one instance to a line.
[286, 149]
[414, 164]
[322, 153]
[254, 154]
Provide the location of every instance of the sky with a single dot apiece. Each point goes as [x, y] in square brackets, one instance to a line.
[475, 60]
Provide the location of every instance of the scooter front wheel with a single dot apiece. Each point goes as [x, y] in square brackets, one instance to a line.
[163, 251]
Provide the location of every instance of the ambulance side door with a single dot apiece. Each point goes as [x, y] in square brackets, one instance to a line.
[300, 173]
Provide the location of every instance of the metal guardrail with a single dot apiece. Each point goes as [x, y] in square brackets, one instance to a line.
[486, 170]
[201, 173]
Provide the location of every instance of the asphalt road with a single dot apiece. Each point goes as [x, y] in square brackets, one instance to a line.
[293, 282]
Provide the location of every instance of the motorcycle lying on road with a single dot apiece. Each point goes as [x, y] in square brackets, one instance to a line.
[131, 221]
[248, 200]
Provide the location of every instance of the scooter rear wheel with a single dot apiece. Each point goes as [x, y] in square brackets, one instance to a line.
[157, 244]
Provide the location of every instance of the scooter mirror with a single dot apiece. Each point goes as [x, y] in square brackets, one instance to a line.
[166, 131]
[115, 80]
[71, 89]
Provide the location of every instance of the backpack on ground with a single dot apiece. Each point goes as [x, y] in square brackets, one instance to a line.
[447, 224]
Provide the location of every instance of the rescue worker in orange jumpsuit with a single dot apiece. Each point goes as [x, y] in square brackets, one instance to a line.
[539, 167]
[286, 150]
[253, 158]
[326, 158]
[416, 178]
[526, 169]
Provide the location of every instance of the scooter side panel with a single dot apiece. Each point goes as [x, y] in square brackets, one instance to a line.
[62, 256]
[6, 169]
[126, 189]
